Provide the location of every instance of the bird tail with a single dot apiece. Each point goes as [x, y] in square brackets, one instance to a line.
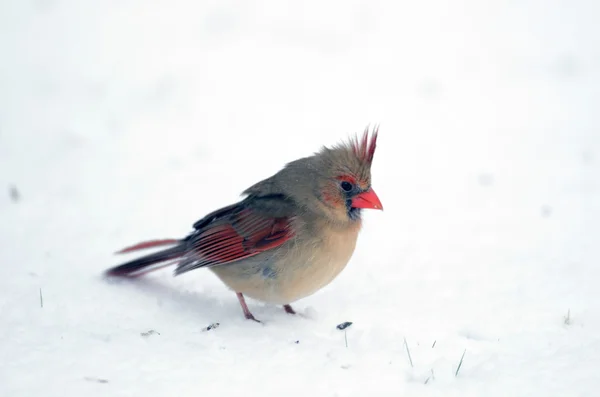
[149, 263]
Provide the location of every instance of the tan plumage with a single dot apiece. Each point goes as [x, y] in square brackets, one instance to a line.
[302, 266]
[291, 236]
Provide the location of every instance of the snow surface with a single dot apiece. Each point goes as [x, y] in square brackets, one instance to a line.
[122, 121]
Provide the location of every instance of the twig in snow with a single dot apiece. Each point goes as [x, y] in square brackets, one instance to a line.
[432, 377]
[432, 346]
[41, 298]
[567, 318]
[460, 363]
[408, 353]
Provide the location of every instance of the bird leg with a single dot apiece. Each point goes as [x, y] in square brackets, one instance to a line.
[288, 309]
[247, 313]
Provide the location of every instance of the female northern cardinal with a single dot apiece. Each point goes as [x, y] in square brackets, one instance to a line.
[291, 236]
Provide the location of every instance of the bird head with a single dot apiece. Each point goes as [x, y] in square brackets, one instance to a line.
[345, 183]
[333, 184]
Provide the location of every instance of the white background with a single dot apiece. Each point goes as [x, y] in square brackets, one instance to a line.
[122, 121]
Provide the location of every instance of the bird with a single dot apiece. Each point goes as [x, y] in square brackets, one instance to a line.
[291, 235]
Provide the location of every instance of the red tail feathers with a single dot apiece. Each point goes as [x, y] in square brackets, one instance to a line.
[148, 244]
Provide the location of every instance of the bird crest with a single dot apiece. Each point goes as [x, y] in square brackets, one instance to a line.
[364, 148]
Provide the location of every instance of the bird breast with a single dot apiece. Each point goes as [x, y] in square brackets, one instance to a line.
[297, 269]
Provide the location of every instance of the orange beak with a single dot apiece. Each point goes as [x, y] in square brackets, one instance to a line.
[367, 199]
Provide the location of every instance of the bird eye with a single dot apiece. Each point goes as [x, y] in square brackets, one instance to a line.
[346, 186]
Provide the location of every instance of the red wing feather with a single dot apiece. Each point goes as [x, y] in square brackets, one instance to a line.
[238, 235]
[148, 244]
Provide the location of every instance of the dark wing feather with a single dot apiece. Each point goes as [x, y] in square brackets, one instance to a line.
[237, 232]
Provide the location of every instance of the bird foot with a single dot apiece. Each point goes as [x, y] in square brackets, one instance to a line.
[288, 309]
[245, 309]
[250, 316]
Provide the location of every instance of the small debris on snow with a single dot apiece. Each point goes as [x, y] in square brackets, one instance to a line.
[14, 194]
[344, 325]
[151, 332]
[486, 179]
[97, 380]
[546, 211]
[297, 342]
[211, 326]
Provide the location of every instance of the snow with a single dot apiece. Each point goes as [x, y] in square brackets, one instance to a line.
[122, 121]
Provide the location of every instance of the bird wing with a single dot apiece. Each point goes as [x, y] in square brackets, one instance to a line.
[236, 232]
